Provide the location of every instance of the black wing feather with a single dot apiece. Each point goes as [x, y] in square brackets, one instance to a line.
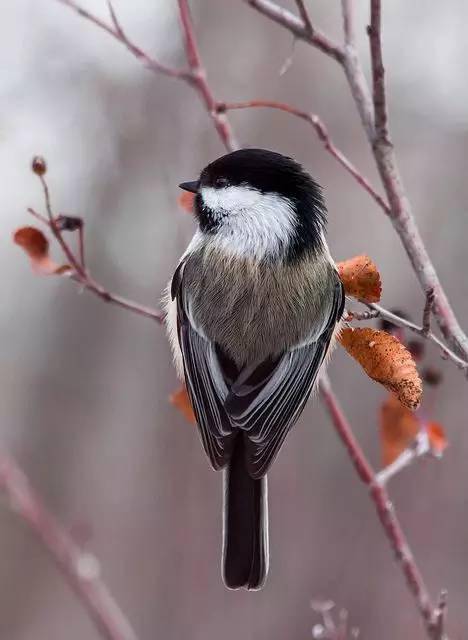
[267, 413]
[204, 382]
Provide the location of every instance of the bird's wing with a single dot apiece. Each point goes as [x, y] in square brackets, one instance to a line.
[263, 400]
[266, 400]
[205, 380]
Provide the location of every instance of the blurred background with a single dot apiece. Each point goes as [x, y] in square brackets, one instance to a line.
[85, 386]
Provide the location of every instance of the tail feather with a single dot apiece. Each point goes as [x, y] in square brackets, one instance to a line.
[245, 544]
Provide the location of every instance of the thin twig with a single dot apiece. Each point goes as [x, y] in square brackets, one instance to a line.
[440, 616]
[80, 273]
[115, 21]
[81, 247]
[304, 16]
[80, 568]
[382, 504]
[362, 315]
[117, 33]
[322, 133]
[298, 27]
[407, 324]
[426, 323]
[195, 75]
[420, 446]
[220, 120]
[289, 60]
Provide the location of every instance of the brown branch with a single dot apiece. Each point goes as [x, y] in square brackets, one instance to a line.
[298, 27]
[426, 324]
[116, 32]
[57, 224]
[80, 568]
[220, 121]
[383, 507]
[322, 133]
[85, 280]
[195, 75]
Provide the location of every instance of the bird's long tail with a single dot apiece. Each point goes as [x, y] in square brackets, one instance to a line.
[245, 531]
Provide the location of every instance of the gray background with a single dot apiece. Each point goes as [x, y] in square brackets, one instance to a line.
[84, 386]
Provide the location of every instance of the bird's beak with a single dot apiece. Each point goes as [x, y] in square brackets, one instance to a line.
[190, 186]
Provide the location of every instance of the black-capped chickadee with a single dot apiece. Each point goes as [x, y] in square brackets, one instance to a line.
[252, 310]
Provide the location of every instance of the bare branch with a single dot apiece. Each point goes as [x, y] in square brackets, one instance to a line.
[195, 76]
[406, 324]
[117, 33]
[80, 274]
[304, 16]
[382, 504]
[115, 22]
[80, 568]
[363, 315]
[378, 75]
[421, 446]
[322, 133]
[199, 80]
[289, 60]
[299, 28]
[426, 324]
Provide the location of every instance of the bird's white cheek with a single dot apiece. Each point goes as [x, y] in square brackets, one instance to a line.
[229, 199]
[251, 223]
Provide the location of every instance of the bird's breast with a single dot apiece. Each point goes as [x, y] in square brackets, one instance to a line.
[257, 309]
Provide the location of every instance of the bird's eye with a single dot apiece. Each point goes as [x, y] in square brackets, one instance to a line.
[221, 182]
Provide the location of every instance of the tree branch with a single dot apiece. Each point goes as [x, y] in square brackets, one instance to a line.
[378, 75]
[116, 32]
[381, 312]
[348, 22]
[220, 121]
[80, 568]
[80, 274]
[426, 324]
[322, 133]
[304, 16]
[383, 506]
[195, 76]
[299, 28]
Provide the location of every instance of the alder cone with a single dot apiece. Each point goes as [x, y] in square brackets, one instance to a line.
[360, 278]
[386, 360]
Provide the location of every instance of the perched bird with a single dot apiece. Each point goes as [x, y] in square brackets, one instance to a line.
[252, 310]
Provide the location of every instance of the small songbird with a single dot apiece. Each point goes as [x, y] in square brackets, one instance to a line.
[252, 311]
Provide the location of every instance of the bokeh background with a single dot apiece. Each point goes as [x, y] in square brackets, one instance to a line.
[85, 386]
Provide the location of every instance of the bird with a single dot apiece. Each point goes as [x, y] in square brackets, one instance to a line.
[252, 313]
